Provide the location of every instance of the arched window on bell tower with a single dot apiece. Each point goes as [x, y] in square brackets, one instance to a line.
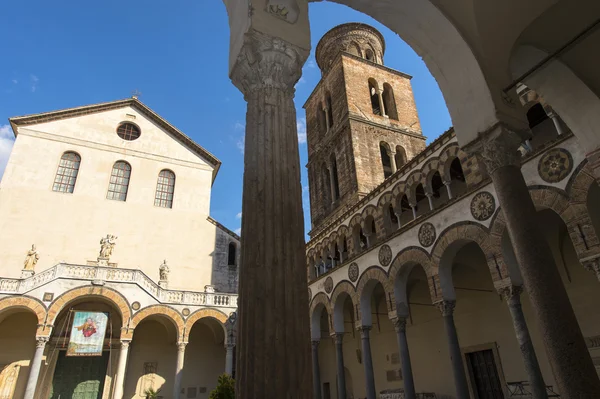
[386, 161]
[374, 93]
[329, 110]
[389, 102]
[334, 173]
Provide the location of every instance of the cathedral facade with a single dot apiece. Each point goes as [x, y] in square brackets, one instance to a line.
[110, 261]
[414, 285]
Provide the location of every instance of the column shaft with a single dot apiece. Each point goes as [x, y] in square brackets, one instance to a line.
[273, 343]
[381, 105]
[532, 367]
[447, 184]
[458, 368]
[567, 352]
[34, 368]
[229, 358]
[316, 370]
[430, 199]
[368, 362]
[341, 373]
[393, 161]
[414, 211]
[407, 375]
[121, 369]
[179, 369]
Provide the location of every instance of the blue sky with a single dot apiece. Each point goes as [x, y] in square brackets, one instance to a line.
[66, 54]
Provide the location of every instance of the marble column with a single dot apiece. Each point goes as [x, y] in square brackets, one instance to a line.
[179, 369]
[430, 199]
[327, 124]
[552, 115]
[567, 352]
[273, 343]
[399, 222]
[381, 105]
[512, 295]
[34, 367]
[338, 339]
[447, 184]
[368, 237]
[458, 368]
[407, 375]
[367, 361]
[121, 369]
[331, 183]
[414, 210]
[316, 370]
[229, 348]
[392, 156]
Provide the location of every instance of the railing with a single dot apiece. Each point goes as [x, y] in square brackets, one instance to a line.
[110, 274]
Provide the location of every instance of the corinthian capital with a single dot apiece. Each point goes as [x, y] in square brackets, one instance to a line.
[267, 62]
[446, 307]
[512, 293]
[498, 146]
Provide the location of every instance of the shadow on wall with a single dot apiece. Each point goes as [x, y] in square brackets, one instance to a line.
[225, 262]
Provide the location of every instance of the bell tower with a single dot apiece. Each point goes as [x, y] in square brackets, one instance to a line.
[361, 121]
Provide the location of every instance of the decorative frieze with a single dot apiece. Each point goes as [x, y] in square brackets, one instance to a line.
[483, 206]
[427, 234]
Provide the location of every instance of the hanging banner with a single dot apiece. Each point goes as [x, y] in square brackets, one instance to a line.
[87, 334]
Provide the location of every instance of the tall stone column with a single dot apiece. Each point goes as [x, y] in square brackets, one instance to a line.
[316, 370]
[512, 295]
[34, 367]
[368, 361]
[338, 340]
[229, 348]
[273, 344]
[568, 355]
[458, 368]
[121, 369]
[179, 369]
[409, 383]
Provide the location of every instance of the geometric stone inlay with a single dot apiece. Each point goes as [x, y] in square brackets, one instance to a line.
[186, 312]
[329, 285]
[426, 234]
[48, 296]
[136, 306]
[483, 205]
[555, 165]
[385, 255]
[353, 272]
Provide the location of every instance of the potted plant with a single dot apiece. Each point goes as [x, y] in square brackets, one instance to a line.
[225, 388]
[151, 393]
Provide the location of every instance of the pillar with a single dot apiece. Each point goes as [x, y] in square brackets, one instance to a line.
[338, 339]
[229, 348]
[414, 210]
[331, 183]
[121, 369]
[552, 115]
[447, 183]
[512, 295]
[273, 343]
[430, 199]
[367, 361]
[368, 236]
[34, 367]
[567, 352]
[316, 370]
[393, 161]
[458, 368]
[326, 118]
[179, 369]
[409, 383]
[399, 221]
[381, 105]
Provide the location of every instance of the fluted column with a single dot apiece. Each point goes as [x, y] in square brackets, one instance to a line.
[121, 369]
[458, 368]
[338, 340]
[179, 369]
[368, 361]
[229, 348]
[512, 295]
[567, 352]
[273, 344]
[34, 367]
[316, 370]
[409, 383]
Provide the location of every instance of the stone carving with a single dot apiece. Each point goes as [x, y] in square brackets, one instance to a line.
[107, 245]
[329, 285]
[385, 255]
[555, 165]
[353, 272]
[287, 10]
[592, 264]
[483, 206]
[31, 259]
[446, 307]
[427, 234]
[164, 271]
[498, 147]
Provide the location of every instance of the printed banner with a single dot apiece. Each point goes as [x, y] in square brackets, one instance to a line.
[87, 334]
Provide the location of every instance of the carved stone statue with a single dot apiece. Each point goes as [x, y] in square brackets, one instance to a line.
[31, 259]
[287, 10]
[164, 271]
[107, 244]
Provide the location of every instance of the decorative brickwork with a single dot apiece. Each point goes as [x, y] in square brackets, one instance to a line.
[201, 314]
[30, 304]
[378, 275]
[162, 310]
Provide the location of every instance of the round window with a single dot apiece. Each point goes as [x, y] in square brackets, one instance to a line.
[128, 131]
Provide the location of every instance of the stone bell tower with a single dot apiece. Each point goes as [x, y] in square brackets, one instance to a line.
[361, 119]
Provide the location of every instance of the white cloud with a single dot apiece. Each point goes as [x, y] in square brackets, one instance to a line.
[34, 81]
[238, 216]
[301, 125]
[240, 144]
[238, 231]
[239, 126]
[7, 140]
[301, 81]
[311, 64]
[15, 81]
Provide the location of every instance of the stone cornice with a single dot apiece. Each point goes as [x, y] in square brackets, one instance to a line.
[225, 229]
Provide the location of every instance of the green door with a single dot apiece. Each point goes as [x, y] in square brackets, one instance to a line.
[79, 377]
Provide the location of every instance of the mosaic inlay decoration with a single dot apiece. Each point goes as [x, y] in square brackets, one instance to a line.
[353, 272]
[426, 234]
[329, 285]
[483, 206]
[555, 165]
[186, 312]
[385, 255]
[136, 305]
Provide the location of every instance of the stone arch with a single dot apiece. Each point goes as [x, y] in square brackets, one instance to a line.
[356, 219]
[202, 314]
[320, 301]
[342, 289]
[384, 199]
[171, 314]
[108, 294]
[401, 268]
[411, 184]
[364, 289]
[447, 155]
[428, 170]
[30, 304]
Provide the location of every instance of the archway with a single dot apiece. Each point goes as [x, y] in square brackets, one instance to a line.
[343, 326]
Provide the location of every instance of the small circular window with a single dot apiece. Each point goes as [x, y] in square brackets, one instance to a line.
[128, 131]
